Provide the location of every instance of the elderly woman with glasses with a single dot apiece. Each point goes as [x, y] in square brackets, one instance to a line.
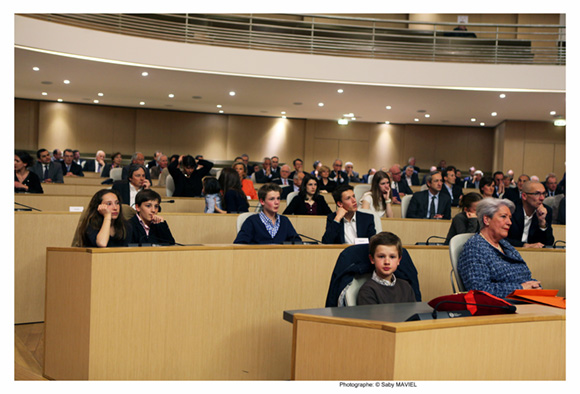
[488, 262]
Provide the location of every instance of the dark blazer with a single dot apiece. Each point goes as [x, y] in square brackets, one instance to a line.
[535, 234]
[329, 187]
[235, 202]
[158, 233]
[403, 187]
[461, 224]
[188, 187]
[354, 260]
[298, 206]
[74, 168]
[343, 180]
[512, 194]
[334, 233]
[457, 193]
[278, 181]
[32, 182]
[419, 205]
[54, 171]
[414, 179]
[253, 231]
[90, 166]
[106, 173]
[125, 174]
[123, 188]
[261, 177]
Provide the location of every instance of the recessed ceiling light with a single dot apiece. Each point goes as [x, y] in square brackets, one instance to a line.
[343, 122]
[219, 105]
[350, 115]
[44, 93]
[232, 93]
[340, 91]
[283, 112]
[171, 95]
[388, 107]
[144, 73]
[221, 111]
[142, 103]
[100, 94]
[502, 95]
[35, 68]
[552, 112]
[59, 100]
[283, 116]
[96, 101]
[321, 104]
[66, 81]
[416, 119]
[482, 124]
[473, 119]
[494, 114]
[387, 122]
[427, 115]
[560, 122]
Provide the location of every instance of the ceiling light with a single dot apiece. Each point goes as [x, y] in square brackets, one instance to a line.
[502, 95]
[221, 111]
[171, 95]
[416, 119]
[387, 122]
[232, 93]
[388, 107]
[343, 122]
[473, 119]
[494, 114]
[340, 91]
[44, 93]
[482, 124]
[35, 68]
[59, 100]
[321, 104]
[560, 122]
[552, 113]
[427, 115]
[283, 116]
[66, 81]
[100, 94]
[350, 115]
[283, 112]
[144, 73]
[219, 105]
[142, 103]
[96, 101]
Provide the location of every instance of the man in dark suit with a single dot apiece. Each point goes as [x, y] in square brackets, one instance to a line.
[514, 194]
[536, 231]
[551, 185]
[346, 224]
[274, 168]
[138, 159]
[411, 177]
[398, 183]
[69, 167]
[430, 203]
[264, 175]
[135, 182]
[337, 174]
[97, 164]
[47, 170]
[454, 191]
[284, 181]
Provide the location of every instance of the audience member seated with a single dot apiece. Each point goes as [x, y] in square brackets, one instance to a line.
[486, 187]
[466, 220]
[77, 158]
[247, 184]
[69, 167]
[473, 183]
[188, 182]
[316, 172]
[116, 162]
[155, 161]
[134, 184]
[398, 184]
[431, 170]
[56, 155]
[385, 253]
[379, 198]
[412, 163]
[264, 175]
[211, 191]
[139, 159]
[370, 172]
[274, 169]
[298, 167]
[268, 227]
[285, 181]
[308, 201]
[499, 188]
[514, 194]
[234, 199]
[104, 224]
[430, 203]
[325, 184]
[98, 164]
[337, 175]
[450, 186]
[411, 177]
[551, 184]
[249, 166]
[146, 226]
[297, 180]
[162, 163]
[25, 181]
[47, 170]
[351, 174]
[562, 211]
[532, 220]
[346, 224]
[488, 262]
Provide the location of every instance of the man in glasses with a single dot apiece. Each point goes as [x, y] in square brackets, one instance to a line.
[532, 220]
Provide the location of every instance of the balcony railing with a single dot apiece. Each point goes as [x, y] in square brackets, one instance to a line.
[341, 36]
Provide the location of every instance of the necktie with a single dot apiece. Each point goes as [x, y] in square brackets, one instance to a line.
[432, 208]
[45, 176]
[98, 167]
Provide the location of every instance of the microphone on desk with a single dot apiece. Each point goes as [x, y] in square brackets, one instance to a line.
[310, 238]
[28, 208]
[557, 246]
[168, 201]
[434, 244]
[453, 314]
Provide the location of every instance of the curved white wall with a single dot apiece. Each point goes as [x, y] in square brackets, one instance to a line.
[35, 34]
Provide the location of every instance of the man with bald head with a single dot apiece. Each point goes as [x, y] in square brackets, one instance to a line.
[532, 220]
[337, 174]
[97, 164]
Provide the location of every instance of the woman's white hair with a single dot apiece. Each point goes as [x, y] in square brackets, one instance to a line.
[489, 206]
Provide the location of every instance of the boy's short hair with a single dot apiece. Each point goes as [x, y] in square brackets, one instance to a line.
[147, 195]
[266, 188]
[385, 238]
[337, 193]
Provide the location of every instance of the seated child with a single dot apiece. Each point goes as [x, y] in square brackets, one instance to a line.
[267, 227]
[385, 252]
[211, 192]
[147, 227]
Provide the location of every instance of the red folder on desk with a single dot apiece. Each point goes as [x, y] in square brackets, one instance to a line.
[539, 296]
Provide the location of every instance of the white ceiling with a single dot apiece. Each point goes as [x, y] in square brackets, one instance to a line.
[123, 85]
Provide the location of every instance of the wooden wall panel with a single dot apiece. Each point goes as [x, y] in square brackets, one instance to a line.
[26, 124]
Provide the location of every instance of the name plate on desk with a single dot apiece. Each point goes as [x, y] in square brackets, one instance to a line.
[76, 209]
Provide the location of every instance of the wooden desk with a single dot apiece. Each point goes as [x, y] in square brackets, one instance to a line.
[376, 344]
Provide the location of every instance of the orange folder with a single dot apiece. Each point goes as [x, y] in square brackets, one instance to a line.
[539, 296]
